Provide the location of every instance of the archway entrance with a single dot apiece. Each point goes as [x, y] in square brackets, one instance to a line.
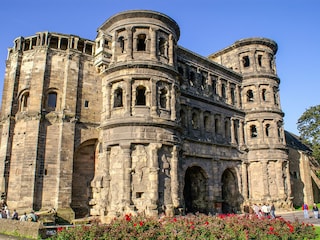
[195, 190]
[230, 192]
[83, 173]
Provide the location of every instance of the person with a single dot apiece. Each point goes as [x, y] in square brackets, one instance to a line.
[32, 217]
[273, 211]
[305, 209]
[315, 211]
[24, 217]
[15, 215]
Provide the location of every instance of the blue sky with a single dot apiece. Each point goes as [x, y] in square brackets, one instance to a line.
[206, 26]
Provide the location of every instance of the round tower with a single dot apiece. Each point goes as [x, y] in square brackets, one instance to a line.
[267, 167]
[139, 133]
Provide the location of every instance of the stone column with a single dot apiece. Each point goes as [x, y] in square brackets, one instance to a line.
[173, 103]
[128, 98]
[114, 47]
[174, 177]
[232, 128]
[264, 173]
[129, 44]
[171, 50]
[244, 181]
[108, 101]
[153, 179]
[153, 45]
[154, 98]
[126, 158]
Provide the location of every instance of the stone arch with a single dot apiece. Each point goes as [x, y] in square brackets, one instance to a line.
[230, 191]
[83, 173]
[195, 190]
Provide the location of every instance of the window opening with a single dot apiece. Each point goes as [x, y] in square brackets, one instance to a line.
[163, 46]
[264, 91]
[24, 101]
[163, 98]
[141, 42]
[223, 90]
[80, 45]
[118, 98]
[253, 131]
[246, 61]
[52, 100]
[275, 96]
[64, 43]
[86, 103]
[206, 123]
[260, 60]
[249, 96]
[194, 122]
[183, 118]
[267, 129]
[121, 44]
[233, 99]
[141, 96]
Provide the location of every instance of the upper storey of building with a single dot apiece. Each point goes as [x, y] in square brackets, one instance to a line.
[134, 36]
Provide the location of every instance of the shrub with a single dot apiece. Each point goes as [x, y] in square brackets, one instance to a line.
[235, 227]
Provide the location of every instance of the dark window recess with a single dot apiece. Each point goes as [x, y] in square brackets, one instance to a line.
[246, 61]
[118, 98]
[141, 96]
[141, 43]
[86, 103]
[52, 100]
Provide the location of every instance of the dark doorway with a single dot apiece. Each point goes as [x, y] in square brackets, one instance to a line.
[230, 192]
[195, 190]
[83, 173]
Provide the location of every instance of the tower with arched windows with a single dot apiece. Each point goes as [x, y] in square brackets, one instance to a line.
[131, 122]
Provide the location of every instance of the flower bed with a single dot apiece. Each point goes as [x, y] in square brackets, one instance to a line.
[192, 227]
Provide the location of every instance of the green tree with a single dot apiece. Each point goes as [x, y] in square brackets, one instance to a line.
[309, 129]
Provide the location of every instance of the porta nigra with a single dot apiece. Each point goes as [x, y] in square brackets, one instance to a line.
[131, 122]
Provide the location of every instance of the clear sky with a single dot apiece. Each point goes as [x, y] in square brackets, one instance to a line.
[206, 26]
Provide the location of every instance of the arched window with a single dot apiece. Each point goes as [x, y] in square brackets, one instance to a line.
[183, 118]
[216, 125]
[275, 95]
[195, 121]
[121, 44]
[163, 47]
[117, 101]
[163, 98]
[246, 61]
[52, 101]
[253, 131]
[206, 123]
[24, 102]
[223, 90]
[141, 42]
[141, 96]
[233, 98]
[249, 96]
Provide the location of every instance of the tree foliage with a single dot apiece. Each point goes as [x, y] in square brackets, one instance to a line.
[309, 129]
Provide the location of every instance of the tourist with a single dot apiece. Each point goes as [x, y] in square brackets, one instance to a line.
[273, 211]
[32, 217]
[15, 215]
[315, 211]
[305, 209]
[24, 217]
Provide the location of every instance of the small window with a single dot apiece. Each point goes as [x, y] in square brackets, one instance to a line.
[263, 94]
[275, 96]
[246, 61]
[180, 70]
[253, 131]
[260, 60]
[233, 98]
[163, 98]
[139, 194]
[121, 44]
[117, 101]
[163, 47]
[195, 121]
[86, 103]
[267, 130]
[141, 96]
[52, 100]
[216, 125]
[141, 42]
[249, 96]
[223, 90]
[24, 102]
[183, 118]
[206, 123]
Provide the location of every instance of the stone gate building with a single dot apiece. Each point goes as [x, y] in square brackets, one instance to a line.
[133, 122]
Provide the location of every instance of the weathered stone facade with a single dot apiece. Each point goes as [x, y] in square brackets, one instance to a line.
[132, 122]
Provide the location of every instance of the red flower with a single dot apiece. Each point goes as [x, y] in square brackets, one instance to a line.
[206, 223]
[128, 217]
[175, 220]
[141, 223]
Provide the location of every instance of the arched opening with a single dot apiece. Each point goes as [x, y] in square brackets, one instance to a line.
[195, 190]
[83, 173]
[141, 96]
[118, 98]
[230, 192]
[163, 98]
[141, 43]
